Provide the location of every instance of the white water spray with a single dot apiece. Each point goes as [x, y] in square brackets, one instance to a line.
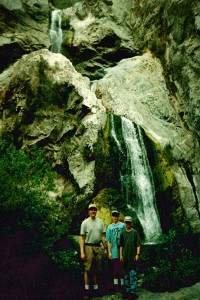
[56, 34]
[138, 180]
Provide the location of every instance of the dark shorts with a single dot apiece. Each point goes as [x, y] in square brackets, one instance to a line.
[116, 267]
[93, 257]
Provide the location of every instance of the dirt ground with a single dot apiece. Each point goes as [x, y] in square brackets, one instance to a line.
[189, 293]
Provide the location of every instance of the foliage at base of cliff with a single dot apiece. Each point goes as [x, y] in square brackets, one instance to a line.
[33, 224]
[26, 178]
[173, 264]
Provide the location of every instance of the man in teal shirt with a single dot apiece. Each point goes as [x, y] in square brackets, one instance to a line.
[113, 240]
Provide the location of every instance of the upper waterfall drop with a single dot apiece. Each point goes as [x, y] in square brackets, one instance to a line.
[56, 34]
[136, 179]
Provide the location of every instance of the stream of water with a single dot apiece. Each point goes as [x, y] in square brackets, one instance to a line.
[56, 34]
[137, 180]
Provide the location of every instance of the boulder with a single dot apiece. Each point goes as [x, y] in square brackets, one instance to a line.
[44, 101]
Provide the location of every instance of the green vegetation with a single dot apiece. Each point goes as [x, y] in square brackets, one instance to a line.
[25, 180]
[46, 94]
[173, 264]
[25, 204]
[64, 3]
[157, 46]
[168, 154]
[67, 259]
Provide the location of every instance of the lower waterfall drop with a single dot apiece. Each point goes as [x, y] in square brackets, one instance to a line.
[136, 178]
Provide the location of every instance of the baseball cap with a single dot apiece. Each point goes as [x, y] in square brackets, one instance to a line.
[115, 213]
[92, 205]
[128, 219]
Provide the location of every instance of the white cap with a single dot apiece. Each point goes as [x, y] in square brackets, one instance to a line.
[92, 205]
[128, 219]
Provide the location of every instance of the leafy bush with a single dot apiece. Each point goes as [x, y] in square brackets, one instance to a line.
[21, 175]
[68, 259]
[25, 182]
[38, 222]
[175, 263]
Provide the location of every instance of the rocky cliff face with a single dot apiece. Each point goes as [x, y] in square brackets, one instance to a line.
[141, 58]
[156, 90]
[45, 101]
[24, 28]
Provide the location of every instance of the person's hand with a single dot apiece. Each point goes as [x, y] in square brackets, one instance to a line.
[137, 257]
[105, 251]
[110, 255]
[83, 256]
[121, 258]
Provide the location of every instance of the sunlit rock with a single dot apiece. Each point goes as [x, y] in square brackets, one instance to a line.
[45, 101]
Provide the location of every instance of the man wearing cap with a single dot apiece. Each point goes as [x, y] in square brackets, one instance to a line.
[113, 240]
[92, 234]
[129, 255]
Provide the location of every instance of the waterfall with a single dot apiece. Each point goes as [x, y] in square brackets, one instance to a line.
[136, 178]
[56, 31]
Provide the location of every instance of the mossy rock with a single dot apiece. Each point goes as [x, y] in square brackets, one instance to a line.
[107, 200]
[63, 3]
[67, 37]
[162, 169]
[104, 213]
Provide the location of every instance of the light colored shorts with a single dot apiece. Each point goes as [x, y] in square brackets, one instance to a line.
[94, 257]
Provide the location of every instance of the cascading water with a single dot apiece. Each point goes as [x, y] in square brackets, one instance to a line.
[136, 178]
[56, 31]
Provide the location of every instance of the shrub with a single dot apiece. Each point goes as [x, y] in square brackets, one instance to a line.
[37, 221]
[68, 259]
[174, 264]
[25, 181]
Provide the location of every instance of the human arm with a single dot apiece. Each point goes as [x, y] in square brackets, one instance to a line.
[109, 252]
[137, 257]
[121, 245]
[108, 240]
[103, 239]
[82, 242]
[120, 253]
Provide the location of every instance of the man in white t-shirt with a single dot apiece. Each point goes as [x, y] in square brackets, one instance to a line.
[92, 234]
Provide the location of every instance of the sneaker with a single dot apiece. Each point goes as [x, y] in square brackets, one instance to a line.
[116, 288]
[96, 293]
[122, 289]
[125, 295]
[133, 296]
[86, 295]
[111, 291]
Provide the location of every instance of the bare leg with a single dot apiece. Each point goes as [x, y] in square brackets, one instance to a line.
[94, 278]
[86, 278]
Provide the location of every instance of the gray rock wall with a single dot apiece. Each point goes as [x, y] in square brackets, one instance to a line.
[157, 90]
[44, 101]
[136, 89]
[143, 60]
[24, 28]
